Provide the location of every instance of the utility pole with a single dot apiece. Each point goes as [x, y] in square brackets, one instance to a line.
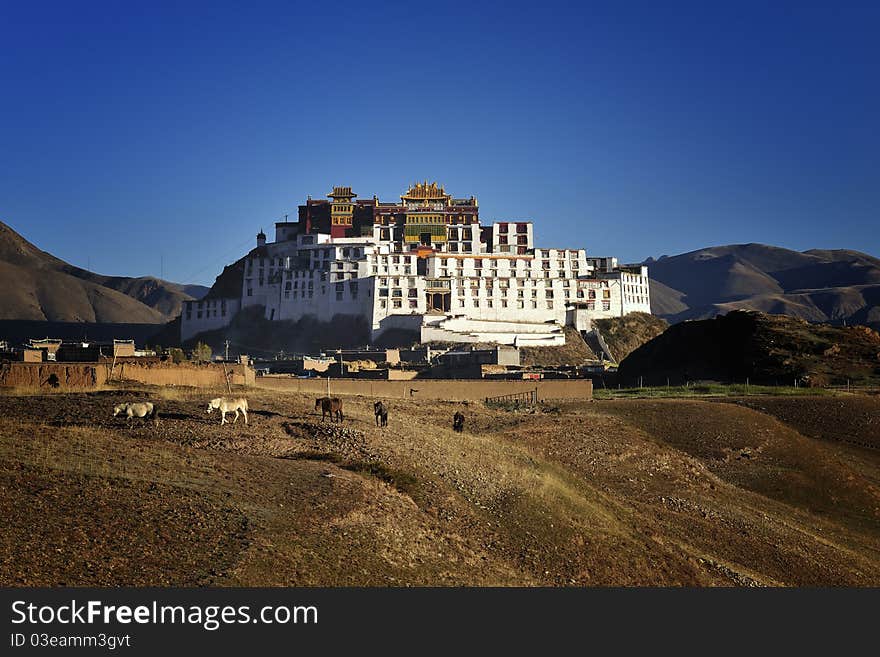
[227, 350]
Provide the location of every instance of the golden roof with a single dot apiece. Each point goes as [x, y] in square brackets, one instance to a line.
[341, 192]
[425, 190]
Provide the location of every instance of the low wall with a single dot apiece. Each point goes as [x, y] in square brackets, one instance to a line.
[52, 375]
[183, 374]
[449, 389]
[92, 375]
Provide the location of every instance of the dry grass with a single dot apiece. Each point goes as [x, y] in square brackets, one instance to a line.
[631, 492]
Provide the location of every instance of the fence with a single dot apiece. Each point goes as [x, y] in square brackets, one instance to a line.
[529, 398]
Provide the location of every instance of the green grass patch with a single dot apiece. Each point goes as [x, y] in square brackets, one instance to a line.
[706, 390]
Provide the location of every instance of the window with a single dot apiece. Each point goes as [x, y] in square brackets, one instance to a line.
[606, 305]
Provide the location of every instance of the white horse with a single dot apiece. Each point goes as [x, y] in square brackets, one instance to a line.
[228, 406]
[137, 409]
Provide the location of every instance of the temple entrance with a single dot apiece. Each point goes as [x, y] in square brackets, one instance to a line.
[438, 301]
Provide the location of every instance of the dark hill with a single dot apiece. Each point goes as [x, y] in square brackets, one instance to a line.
[770, 349]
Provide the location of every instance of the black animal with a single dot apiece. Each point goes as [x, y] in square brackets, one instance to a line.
[381, 414]
[458, 421]
[329, 406]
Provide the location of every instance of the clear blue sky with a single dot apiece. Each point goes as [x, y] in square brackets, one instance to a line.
[633, 130]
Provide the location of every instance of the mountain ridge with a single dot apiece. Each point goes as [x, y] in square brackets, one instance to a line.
[46, 288]
[818, 285]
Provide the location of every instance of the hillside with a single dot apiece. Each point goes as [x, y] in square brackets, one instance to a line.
[818, 285]
[574, 352]
[578, 493]
[762, 348]
[42, 287]
[623, 335]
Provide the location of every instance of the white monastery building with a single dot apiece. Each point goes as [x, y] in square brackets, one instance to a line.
[426, 265]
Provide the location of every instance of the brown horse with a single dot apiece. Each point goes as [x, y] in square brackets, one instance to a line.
[329, 406]
[381, 411]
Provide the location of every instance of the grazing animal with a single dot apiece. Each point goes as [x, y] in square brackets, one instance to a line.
[381, 414]
[137, 409]
[228, 406]
[458, 421]
[329, 406]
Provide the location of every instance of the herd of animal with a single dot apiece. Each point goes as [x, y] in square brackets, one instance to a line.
[329, 406]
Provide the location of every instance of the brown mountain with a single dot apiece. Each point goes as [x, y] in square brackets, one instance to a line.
[819, 285]
[39, 286]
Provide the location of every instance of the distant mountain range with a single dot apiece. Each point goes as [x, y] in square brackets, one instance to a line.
[834, 286]
[39, 286]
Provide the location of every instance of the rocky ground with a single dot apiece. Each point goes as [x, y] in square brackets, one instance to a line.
[746, 492]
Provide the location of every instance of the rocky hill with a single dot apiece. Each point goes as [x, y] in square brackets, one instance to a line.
[834, 286]
[41, 287]
[623, 335]
[574, 352]
[770, 349]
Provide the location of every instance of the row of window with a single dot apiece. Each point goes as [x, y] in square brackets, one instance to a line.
[520, 227]
[205, 313]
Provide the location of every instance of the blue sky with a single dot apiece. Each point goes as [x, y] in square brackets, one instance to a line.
[626, 129]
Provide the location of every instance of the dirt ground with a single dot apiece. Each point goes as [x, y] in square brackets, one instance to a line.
[746, 492]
